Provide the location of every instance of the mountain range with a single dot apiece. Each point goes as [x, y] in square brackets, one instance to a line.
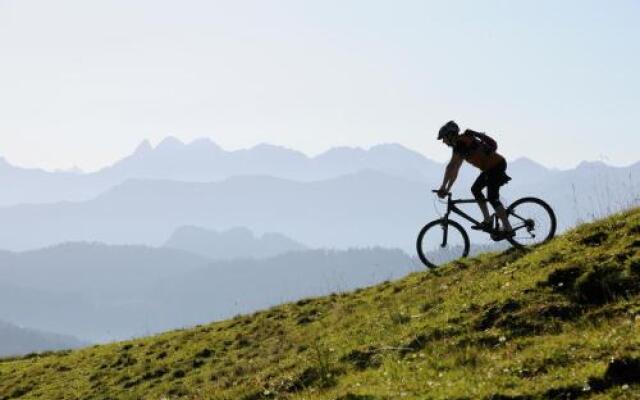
[366, 208]
[204, 161]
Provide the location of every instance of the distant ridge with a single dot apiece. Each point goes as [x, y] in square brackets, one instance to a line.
[15, 340]
[230, 244]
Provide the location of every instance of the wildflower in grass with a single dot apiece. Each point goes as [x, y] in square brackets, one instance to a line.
[502, 339]
[625, 387]
[586, 387]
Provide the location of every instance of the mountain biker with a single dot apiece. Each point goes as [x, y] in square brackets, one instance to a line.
[478, 150]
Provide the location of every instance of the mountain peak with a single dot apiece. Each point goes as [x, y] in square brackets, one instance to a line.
[342, 151]
[591, 164]
[205, 143]
[389, 147]
[527, 162]
[143, 148]
[170, 143]
[274, 152]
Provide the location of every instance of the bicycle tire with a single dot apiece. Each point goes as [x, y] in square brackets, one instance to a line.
[547, 208]
[423, 257]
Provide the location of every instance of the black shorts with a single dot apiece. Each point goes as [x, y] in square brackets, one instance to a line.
[492, 179]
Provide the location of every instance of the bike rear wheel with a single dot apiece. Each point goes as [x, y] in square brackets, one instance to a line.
[442, 241]
[533, 222]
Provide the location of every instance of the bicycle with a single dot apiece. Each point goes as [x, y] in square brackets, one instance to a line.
[532, 220]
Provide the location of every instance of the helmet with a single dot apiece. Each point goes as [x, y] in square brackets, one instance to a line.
[448, 129]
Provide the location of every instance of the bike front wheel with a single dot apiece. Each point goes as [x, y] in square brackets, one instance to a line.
[533, 222]
[442, 241]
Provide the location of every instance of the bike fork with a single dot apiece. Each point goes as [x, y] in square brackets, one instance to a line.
[445, 232]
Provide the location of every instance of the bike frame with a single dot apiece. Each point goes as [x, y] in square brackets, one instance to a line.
[451, 208]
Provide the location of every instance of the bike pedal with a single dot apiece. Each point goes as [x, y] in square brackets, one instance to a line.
[482, 227]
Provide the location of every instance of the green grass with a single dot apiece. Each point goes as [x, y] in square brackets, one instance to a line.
[561, 321]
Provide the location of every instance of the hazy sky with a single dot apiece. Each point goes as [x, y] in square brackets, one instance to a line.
[83, 82]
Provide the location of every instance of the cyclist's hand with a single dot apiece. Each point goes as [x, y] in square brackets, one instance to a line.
[442, 193]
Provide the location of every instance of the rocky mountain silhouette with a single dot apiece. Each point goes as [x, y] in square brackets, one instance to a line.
[204, 161]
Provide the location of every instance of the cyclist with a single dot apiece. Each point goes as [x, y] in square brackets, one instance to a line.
[478, 150]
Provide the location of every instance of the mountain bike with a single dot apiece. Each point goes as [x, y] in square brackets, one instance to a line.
[532, 220]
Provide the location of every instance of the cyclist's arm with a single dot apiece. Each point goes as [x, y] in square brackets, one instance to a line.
[451, 172]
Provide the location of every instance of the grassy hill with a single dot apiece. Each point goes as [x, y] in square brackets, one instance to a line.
[559, 322]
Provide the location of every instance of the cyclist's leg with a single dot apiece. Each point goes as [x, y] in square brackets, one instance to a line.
[476, 189]
[494, 181]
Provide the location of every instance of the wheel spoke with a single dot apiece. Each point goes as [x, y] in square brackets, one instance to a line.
[517, 216]
[518, 227]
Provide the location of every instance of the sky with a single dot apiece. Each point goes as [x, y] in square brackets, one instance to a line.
[82, 83]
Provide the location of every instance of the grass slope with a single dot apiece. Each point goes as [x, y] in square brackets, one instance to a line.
[559, 322]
